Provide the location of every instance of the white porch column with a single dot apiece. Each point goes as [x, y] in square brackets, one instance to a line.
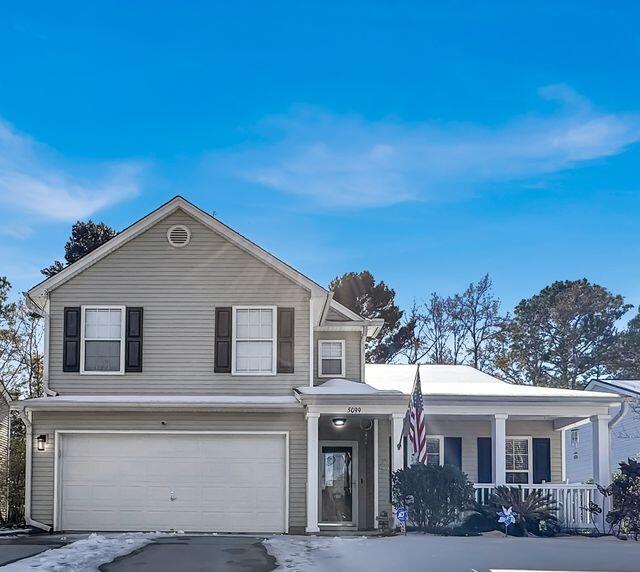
[601, 445]
[397, 459]
[312, 472]
[498, 446]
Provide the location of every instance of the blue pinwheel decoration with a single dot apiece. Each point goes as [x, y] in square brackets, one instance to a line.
[507, 517]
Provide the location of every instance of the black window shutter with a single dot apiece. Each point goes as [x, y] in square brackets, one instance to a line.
[222, 349]
[485, 469]
[71, 347]
[133, 342]
[453, 451]
[541, 460]
[286, 331]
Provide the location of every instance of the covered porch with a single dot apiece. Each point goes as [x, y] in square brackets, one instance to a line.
[356, 438]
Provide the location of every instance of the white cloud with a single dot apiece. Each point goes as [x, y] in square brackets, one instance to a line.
[34, 180]
[349, 161]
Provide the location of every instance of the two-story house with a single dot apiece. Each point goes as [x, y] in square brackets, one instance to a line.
[196, 382]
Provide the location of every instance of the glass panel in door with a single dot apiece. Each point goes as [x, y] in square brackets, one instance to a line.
[336, 484]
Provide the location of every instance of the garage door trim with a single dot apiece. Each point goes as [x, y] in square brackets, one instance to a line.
[57, 465]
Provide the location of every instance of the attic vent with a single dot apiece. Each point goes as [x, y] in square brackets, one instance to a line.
[178, 236]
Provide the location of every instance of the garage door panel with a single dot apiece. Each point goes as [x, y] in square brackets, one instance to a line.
[219, 483]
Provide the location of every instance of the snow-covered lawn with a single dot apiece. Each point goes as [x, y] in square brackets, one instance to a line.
[491, 552]
[85, 555]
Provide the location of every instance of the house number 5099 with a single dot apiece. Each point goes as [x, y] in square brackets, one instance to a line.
[354, 409]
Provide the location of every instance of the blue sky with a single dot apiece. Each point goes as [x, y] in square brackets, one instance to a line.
[427, 143]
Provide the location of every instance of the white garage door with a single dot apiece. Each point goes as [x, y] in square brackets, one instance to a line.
[218, 483]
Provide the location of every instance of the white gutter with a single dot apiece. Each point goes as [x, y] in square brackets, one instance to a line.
[26, 419]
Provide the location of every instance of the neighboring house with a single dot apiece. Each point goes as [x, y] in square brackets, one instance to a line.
[625, 434]
[196, 382]
[5, 400]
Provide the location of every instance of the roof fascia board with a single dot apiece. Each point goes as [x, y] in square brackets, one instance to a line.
[611, 385]
[165, 210]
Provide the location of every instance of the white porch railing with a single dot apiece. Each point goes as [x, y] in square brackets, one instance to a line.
[569, 497]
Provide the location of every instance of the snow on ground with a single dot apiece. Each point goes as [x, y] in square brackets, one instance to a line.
[85, 555]
[10, 531]
[489, 553]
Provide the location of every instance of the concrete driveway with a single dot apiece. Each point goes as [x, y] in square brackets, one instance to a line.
[197, 553]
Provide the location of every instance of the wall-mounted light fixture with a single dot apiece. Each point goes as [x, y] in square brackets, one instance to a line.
[339, 421]
[42, 441]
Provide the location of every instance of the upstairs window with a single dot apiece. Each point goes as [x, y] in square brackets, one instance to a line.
[254, 341]
[331, 358]
[518, 460]
[102, 349]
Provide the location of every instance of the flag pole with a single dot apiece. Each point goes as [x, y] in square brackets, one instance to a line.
[416, 379]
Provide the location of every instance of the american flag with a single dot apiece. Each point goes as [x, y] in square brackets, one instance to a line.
[417, 428]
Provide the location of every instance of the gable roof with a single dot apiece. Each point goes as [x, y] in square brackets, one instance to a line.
[466, 381]
[629, 387]
[155, 216]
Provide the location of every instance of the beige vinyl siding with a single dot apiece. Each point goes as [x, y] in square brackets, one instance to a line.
[179, 289]
[384, 467]
[471, 430]
[48, 422]
[4, 454]
[335, 316]
[353, 351]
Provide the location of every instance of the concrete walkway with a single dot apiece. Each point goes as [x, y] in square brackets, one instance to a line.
[197, 553]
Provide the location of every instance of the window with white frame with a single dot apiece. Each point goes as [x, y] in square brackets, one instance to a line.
[102, 339]
[575, 437]
[518, 460]
[254, 341]
[434, 451]
[331, 358]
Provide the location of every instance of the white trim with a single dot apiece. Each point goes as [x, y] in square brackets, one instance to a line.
[376, 485]
[311, 344]
[440, 439]
[57, 465]
[182, 227]
[343, 359]
[274, 341]
[563, 454]
[123, 324]
[160, 213]
[355, 478]
[529, 470]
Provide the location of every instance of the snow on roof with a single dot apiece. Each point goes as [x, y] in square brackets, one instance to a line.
[461, 380]
[627, 385]
[344, 387]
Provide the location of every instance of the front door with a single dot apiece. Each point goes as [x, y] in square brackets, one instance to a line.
[338, 483]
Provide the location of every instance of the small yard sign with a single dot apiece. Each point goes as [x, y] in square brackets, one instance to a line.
[402, 515]
[507, 517]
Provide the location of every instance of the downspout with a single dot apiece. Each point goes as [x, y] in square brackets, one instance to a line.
[624, 408]
[26, 419]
